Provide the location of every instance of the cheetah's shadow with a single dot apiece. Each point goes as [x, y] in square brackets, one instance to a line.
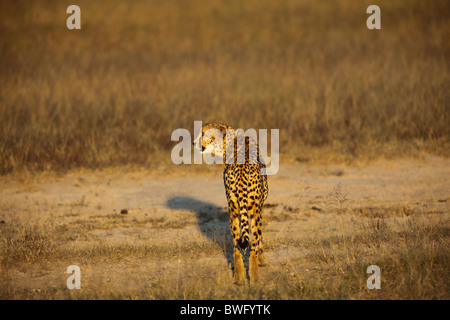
[213, 222]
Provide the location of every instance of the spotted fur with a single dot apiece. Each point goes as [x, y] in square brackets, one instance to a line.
[246, 190]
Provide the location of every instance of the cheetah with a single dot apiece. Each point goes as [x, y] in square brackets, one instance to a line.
[246, 190]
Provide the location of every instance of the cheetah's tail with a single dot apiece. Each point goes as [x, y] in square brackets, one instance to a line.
[243, 201]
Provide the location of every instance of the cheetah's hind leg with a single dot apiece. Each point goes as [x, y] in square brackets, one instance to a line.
[239, 269]
[261, 260]
[256, 240]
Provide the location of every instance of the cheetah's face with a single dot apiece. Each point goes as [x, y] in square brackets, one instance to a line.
[209, 140]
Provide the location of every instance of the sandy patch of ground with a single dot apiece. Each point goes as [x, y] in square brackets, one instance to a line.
[174, 241]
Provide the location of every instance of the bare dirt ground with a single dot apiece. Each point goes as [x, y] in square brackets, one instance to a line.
[323, 225]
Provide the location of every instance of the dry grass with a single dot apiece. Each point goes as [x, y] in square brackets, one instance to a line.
[411, 250]
[112, 93]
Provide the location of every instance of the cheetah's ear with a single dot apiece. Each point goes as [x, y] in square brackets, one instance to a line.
[224, 131]
[224, 128]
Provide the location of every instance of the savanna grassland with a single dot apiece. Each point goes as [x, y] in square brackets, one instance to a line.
[86, 118]
[323, 225]
[113, 92]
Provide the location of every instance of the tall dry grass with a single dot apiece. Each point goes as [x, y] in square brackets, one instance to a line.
[112, 92]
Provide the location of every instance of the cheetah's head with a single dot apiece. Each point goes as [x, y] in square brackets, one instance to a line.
[212, 138]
